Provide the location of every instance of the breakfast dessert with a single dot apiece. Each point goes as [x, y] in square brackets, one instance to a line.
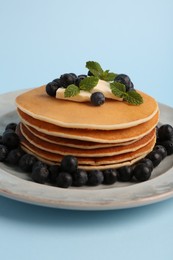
[88, 130]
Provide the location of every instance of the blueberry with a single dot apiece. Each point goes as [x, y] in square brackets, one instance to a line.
[39, 164]
[97, 99]
[64, 180]
[26, 162]
[124, 79]
[0, 139]
[110, 176]
[124, 173]
[68, 79]
[147, 162]
[165, 132]
[51, 88]
[95, 177]
[80, 178]
[11, 126]
[161, 149]
[142, 172]
[168, 146]
[40, 174]
[155, 157]
[69, 164]
[79, 79]
[10, 139]
[53, 172]
[58, 82]
[14, 156]
[8, 131]
[3, 152]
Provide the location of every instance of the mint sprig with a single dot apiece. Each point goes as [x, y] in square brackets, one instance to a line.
[131, 97]
[88, 83]
[71, 91]
[96, 69]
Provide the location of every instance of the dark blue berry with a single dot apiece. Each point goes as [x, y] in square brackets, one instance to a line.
[168, 146]
[10, 139]
[14, 156]
[147, 162]
[40, 174]
[161, 149]
[26, 162]
[124, 174]
[69, 164]
[124, 79]
[80, 178]
[39, 164]
[97, 99]
[0, 139]
[51, 88]
[95, 177]
[79, 79]
[11, 126]
[64, 180]
[3, 152]
[155, 157]
[68, 79]
[141, 172]
[165, 132]
[110, 176]
[53, 172]
[58, 82]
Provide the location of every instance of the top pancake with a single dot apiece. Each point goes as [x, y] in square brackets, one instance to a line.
[110, 116]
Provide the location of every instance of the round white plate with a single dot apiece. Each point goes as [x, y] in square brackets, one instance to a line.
[17, 185]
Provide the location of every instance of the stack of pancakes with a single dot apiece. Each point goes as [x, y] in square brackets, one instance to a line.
[109, 136]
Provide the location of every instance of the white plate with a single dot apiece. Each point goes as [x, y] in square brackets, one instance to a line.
[17, 185]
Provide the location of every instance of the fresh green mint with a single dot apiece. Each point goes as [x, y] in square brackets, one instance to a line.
[96, 69]
[71, 91]
[88, 83]
[108, 76]
[131, 97]
[118, 89]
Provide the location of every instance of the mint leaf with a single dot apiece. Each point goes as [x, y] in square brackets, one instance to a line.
[133, 97]
[108, 76]
[94, 67]
[71, 91]
[88, 83]
[118, 89]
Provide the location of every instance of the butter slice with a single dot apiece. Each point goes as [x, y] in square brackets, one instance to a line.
[104, 87]
[84, 96]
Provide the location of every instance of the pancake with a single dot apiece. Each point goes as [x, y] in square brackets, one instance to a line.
[89, 167]
[73, 142]
[90, 161]
[99, 152]
[110, 116]
[101, 136]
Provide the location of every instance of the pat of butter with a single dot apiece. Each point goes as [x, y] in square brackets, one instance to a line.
[104, 87]
[84, 96]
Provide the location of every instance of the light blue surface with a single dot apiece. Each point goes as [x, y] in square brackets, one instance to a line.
[39, 40]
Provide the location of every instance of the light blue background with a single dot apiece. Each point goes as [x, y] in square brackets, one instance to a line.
[39, 40]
